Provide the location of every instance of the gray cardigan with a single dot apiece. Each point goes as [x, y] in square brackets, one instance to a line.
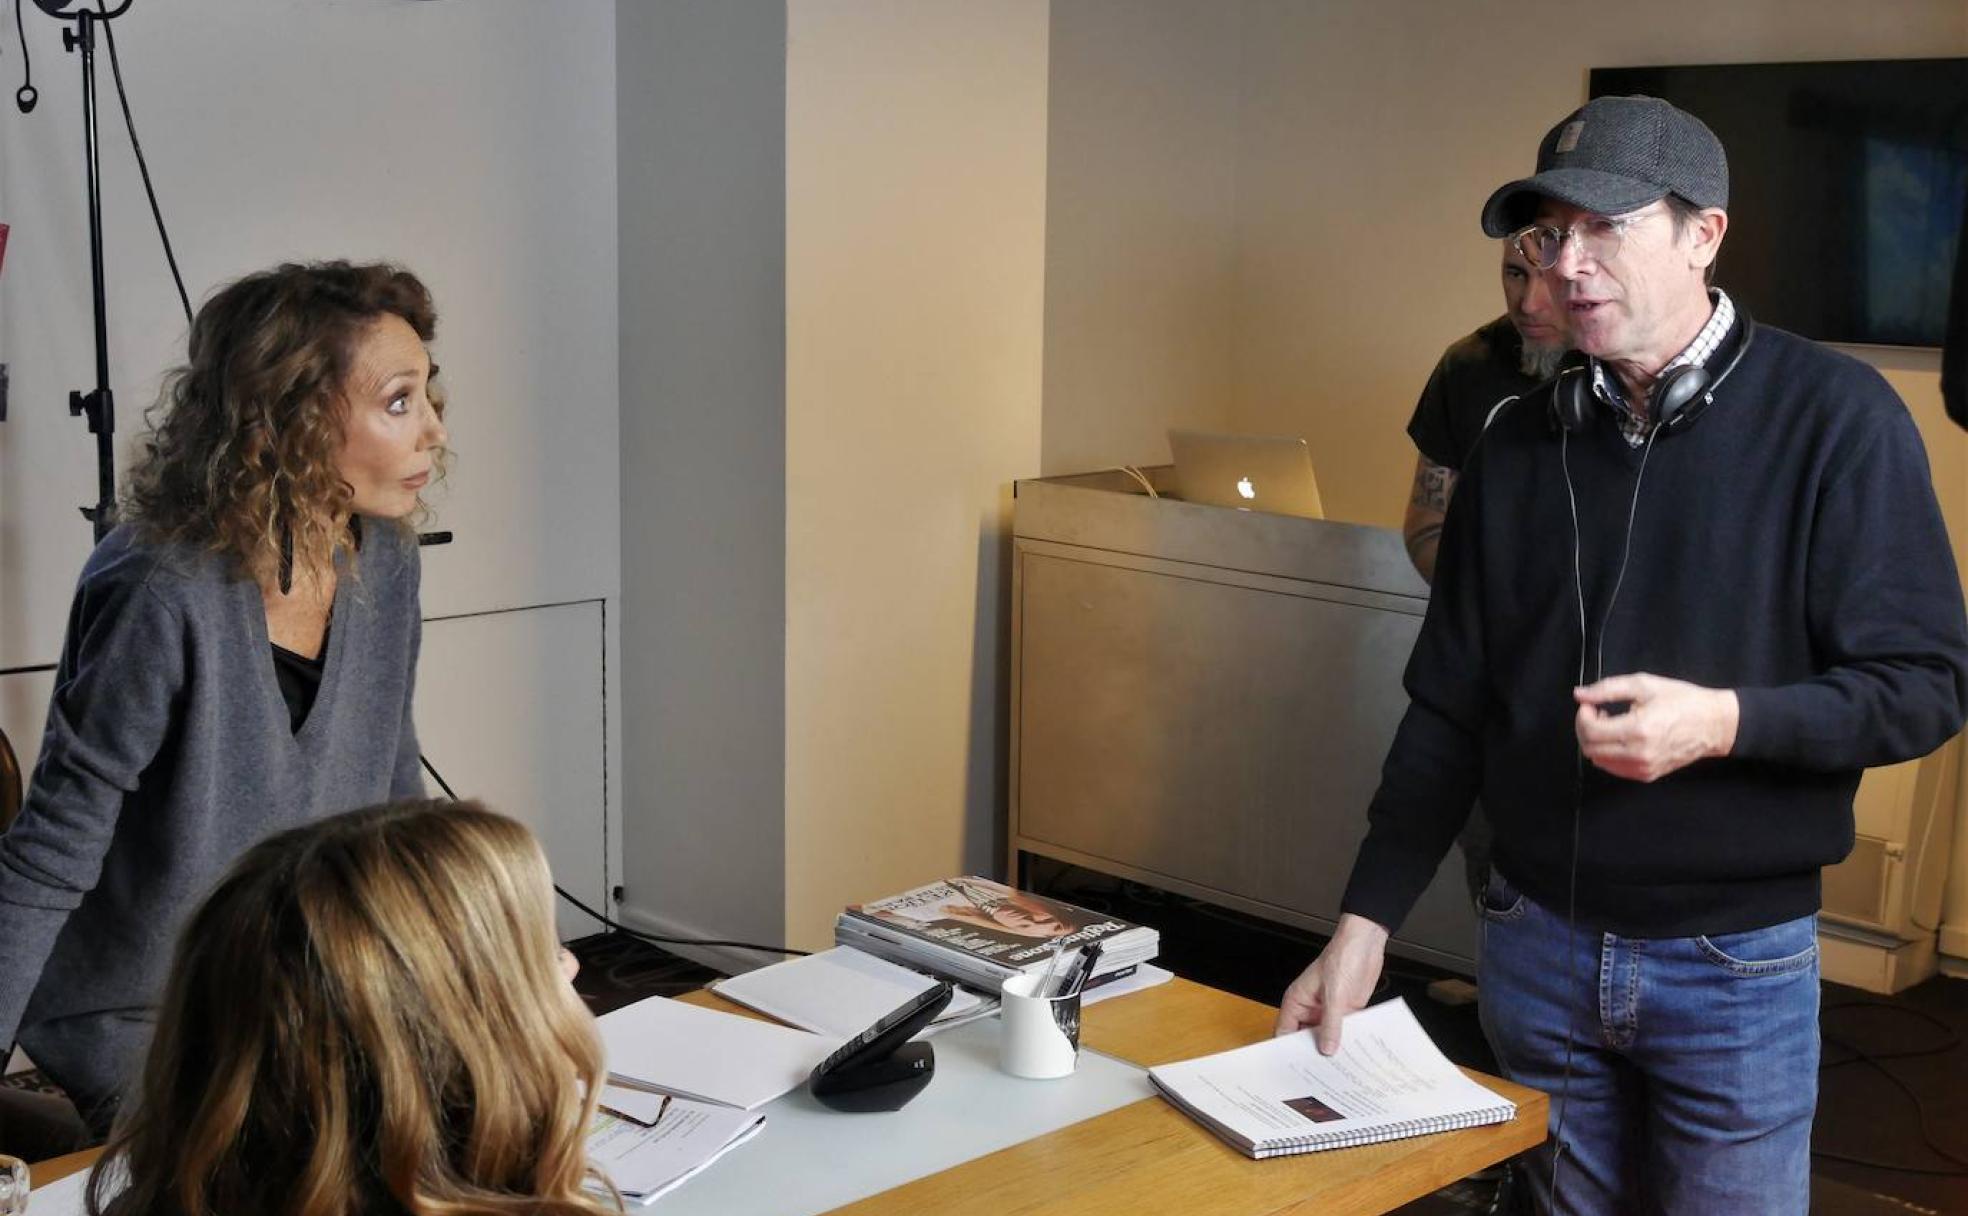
[167, 753]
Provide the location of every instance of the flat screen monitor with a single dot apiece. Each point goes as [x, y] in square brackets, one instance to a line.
[1848, 188]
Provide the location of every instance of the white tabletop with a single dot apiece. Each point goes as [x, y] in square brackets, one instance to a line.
[810, 1159]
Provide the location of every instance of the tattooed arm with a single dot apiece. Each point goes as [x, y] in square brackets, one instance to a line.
[1427, 505]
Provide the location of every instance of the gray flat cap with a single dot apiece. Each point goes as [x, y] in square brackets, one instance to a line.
[1613, 155]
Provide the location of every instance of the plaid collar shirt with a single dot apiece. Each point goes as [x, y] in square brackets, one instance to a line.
[1634, 425]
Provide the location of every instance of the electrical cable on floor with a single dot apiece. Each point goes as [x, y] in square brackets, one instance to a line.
[1951, 1039]
[675, 941]
[653, 938]
[1876, 1061]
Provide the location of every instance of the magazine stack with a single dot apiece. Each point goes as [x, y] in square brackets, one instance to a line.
[980, 933]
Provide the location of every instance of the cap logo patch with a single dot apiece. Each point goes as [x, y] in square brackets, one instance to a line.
[1568, 139]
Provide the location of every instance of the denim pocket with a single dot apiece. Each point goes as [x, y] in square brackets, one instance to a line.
[1500, 901]
[1776, 950]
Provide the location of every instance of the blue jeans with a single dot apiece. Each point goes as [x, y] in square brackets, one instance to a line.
[1694, 1060]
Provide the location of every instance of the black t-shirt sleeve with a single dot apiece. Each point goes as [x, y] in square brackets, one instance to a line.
[1430, 426]
[1468, 382]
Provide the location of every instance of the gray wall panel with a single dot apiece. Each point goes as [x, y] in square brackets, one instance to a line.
[701, 128]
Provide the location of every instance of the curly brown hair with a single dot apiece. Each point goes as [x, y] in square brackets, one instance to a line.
[243, 437]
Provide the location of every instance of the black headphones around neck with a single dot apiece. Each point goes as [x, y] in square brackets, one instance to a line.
[1677, 399]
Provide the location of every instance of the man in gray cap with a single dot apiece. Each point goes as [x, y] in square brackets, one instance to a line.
[1683, 598]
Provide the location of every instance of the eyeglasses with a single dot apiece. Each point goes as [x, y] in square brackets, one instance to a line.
[1599, 238]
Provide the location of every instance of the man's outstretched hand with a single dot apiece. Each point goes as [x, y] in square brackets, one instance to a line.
[1340, 981]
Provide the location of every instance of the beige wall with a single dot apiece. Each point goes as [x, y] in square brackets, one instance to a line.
[915, 247]
[1141, 227]
[1372, 133]
[1256, 215]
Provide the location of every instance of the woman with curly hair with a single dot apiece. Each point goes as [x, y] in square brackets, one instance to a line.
[409, 1045]
[240, 651]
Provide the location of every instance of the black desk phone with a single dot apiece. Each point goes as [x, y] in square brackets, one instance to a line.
[879, 1069]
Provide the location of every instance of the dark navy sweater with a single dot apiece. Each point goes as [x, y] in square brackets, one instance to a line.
[1786, 544]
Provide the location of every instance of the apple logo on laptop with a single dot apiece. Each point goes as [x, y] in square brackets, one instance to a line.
[1245, 487]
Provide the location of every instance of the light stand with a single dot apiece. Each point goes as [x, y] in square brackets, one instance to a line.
[98, 406]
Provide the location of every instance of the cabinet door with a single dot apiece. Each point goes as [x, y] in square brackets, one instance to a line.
[1214, 732]
[509, 709]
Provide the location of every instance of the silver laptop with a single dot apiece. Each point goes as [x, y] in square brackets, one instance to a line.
[1249, 472]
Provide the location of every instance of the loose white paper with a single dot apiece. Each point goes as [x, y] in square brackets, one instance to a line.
[676, 1048]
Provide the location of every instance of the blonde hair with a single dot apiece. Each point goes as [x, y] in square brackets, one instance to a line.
[367, 1015]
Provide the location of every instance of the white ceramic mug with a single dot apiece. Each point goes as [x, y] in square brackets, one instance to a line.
[1041, 1034]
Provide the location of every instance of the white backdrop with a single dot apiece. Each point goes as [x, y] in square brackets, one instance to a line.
[472, 140]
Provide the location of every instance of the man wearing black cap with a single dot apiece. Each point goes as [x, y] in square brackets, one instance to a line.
[1683, 599]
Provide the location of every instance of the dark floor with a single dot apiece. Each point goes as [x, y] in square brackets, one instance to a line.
[617, 969]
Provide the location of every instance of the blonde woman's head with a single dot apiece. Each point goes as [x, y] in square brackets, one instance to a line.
[367, 1015]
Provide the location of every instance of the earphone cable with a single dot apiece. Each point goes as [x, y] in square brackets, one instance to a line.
[1626, 553]
[1578, 751]
[1578, 575]
[1578, 814]
[1571, 952]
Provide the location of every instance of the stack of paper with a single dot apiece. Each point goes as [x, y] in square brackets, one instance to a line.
[1278, 1096]
[842, 992]
[648, 1161]
[673, 1048]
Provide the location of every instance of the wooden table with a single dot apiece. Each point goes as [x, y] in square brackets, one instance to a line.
[1150, 1157]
